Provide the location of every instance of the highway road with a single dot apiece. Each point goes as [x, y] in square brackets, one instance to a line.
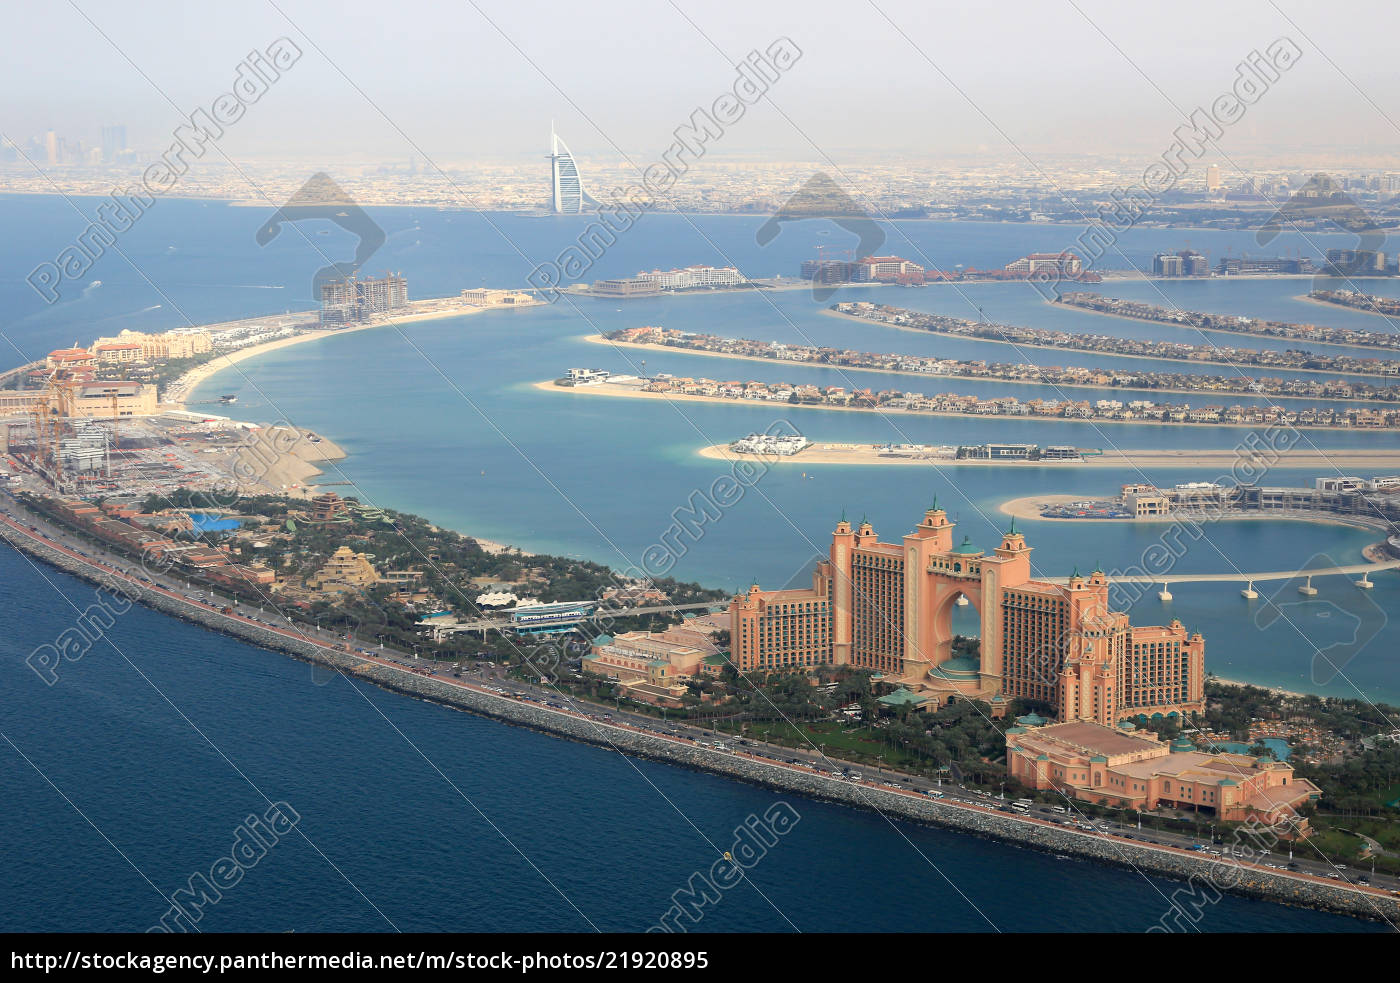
[493, 680]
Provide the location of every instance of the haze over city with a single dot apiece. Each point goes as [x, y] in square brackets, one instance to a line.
[689, 471]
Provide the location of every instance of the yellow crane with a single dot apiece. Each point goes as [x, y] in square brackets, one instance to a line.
[52, 409]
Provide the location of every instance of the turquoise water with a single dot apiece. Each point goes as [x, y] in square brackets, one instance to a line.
[445, 421]
[441, 419]
[424, 819]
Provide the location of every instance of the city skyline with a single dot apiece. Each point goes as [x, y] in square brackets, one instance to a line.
[411, 522]
[1123, 94]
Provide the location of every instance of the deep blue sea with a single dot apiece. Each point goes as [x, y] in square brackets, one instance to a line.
[417, 817]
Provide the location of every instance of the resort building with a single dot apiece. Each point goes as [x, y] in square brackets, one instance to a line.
[485, 297]
[630, 286]
[878, 269]
[654, 667]
[1061, 264]
[136, 346]
[104, 400]
[345, 570]
[329, 507]
[647, 666]
[888, 607]
[68, 358]
[692, 277]
[1136, 770]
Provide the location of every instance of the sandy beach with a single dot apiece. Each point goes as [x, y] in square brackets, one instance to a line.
[429, 310]
[1233, 334]
[600, 340]
[1276, 690]
[1109, 354]
[1126, 460]
[294, 472]
[781, 408]
[1390, 318]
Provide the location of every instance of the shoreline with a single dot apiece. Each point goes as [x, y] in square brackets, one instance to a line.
[1300, 890]
[1276, 690]
[870, 454]
[1029, 506]
[327, 450]
[1389, 318]
[1234, 334]
[1092, 351]
[627, 392]
[187, 383]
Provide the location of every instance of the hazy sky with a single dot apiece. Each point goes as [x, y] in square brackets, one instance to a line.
[466, 80]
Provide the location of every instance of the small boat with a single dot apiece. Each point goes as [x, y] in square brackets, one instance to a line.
[1061, 856]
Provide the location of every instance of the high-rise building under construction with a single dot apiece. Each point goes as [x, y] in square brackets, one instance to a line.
[353, 300]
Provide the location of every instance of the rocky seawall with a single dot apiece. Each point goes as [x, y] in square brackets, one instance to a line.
[1207, 877]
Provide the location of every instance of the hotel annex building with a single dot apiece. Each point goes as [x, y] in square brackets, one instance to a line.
[888, 607]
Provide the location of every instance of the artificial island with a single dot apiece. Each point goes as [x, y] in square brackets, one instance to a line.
[1066, 699]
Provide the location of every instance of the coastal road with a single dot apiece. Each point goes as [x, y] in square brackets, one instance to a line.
[496, 686]
[496, 624]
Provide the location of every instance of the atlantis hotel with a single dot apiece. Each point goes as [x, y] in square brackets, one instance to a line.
[888, 607]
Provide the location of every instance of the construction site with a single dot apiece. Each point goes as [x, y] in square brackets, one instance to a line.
[111, 440]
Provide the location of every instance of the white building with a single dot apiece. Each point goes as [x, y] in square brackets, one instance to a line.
[691, 277]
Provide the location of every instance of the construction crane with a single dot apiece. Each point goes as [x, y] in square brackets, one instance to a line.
[52, 409]
[116, 416]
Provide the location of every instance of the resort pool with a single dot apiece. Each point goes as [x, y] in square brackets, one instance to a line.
[212, 522]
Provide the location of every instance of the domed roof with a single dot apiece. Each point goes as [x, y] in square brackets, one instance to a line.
[966, 546]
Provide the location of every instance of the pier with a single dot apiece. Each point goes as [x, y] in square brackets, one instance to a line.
[1249, 579]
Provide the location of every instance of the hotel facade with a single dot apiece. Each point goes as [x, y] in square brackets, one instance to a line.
[1129, 769]
[888, 607]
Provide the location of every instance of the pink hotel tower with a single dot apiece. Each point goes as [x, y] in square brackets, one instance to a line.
[888, 607]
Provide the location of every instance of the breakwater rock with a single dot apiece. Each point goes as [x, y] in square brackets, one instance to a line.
[1207, 877]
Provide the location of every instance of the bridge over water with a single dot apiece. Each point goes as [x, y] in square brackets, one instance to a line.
[1248, 579]
[1244, 577]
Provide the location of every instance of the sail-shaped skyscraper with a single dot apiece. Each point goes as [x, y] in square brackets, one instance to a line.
[569, 196]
